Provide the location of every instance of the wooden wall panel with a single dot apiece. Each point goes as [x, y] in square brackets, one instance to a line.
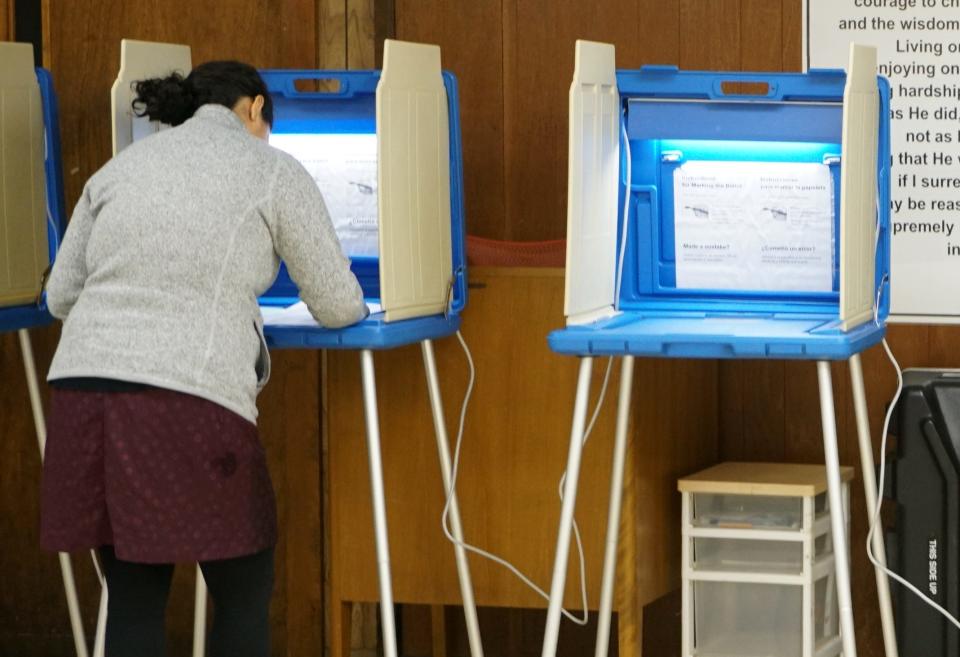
[360, 34]
[792, 22]
[470, 36]
[943, 344]
[658, 34]
[673, 437]
[331, 29]
[6, 20]
[538, 41]
[384, 26]
[290, 431]
[33, 610]
[267, 35]
[710, 35]
[761, 35]
[331, 34]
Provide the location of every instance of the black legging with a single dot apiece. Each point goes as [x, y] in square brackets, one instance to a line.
[137, 602]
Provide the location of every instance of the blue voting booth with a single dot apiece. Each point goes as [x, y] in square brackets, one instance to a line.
[350, 112]
[725, 215]
[35, 233]
[32, 218]
[384, 148]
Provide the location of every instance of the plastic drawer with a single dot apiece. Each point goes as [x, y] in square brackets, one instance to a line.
[747, 511]
[748, 556]
[747, 620]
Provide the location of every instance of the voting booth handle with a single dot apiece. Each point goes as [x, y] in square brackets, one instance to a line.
[746, 86]
[319, 84]
[324, 86]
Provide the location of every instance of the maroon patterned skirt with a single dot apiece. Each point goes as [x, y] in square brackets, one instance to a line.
[162, 476]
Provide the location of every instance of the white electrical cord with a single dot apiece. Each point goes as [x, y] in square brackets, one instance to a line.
[453, 487]
[586, 434]
[626, 210]
[880, 485]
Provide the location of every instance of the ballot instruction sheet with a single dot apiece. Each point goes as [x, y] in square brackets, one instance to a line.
[754, 226]
[344, 166]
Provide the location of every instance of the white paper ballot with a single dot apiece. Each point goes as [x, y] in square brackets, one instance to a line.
[754, 226]
[298, 314]
[345, 169]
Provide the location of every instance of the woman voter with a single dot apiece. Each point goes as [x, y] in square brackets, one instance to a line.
[153, 455]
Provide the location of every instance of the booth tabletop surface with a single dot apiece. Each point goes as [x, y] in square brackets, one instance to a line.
[371, 333]
[23, 317]
[700, 335]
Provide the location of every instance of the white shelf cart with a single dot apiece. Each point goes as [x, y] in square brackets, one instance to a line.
[758, 561]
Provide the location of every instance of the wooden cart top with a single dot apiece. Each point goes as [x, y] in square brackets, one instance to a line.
[777, 479]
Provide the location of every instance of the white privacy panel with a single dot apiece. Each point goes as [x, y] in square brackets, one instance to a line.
[858, 188]
[593, 167]
[140, 60]
[24, 251]
[413, 173]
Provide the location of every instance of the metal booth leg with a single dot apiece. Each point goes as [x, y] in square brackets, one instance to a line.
[100, 637]
[566, 511]
[66, 568]
[443, 450]
[613, 517]
[199, 615]
[870, 489]
[379, 504]
[837, 521]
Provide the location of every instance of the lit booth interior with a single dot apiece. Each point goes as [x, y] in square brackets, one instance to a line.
[749, 229]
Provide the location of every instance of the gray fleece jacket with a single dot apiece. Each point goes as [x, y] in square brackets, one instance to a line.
[168, 249]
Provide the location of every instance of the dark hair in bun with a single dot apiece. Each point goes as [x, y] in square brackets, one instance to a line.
[174, 99]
